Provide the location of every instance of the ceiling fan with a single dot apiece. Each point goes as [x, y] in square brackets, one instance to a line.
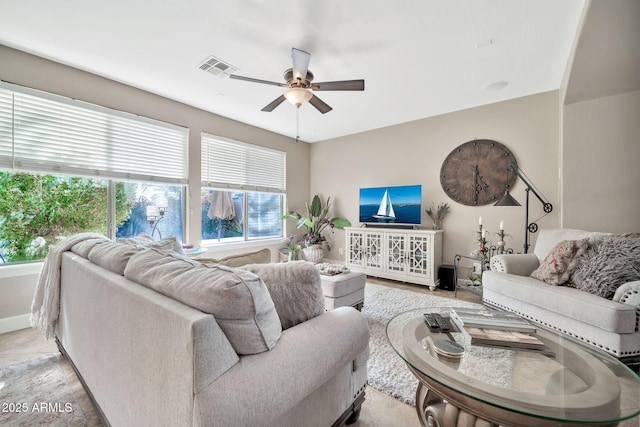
[299, 87]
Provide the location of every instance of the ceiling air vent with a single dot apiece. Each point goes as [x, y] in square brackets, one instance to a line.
[217, 67]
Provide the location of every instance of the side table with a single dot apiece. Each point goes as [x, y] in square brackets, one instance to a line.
[465, 285]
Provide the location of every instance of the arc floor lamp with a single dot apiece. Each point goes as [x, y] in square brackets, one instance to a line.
[508, 200]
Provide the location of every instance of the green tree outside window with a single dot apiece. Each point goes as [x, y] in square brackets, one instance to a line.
[38, 210]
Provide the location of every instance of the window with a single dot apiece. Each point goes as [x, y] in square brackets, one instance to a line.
[36, 209]
[153, 209]
[243, 189]
[68, 166]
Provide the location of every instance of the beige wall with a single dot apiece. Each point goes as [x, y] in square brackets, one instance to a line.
[600, 148]
[601, 166]
[38, 73]
[412, 153]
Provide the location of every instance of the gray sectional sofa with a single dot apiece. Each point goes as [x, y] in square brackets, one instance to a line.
[611, 324]
[161, 339]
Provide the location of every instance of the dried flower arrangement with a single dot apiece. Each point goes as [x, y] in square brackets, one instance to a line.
[437, 214]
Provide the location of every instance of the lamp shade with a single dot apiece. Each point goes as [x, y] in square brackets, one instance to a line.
[298, 96]
[507, 200]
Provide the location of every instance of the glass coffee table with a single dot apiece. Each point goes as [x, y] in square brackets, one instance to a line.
[567, 385]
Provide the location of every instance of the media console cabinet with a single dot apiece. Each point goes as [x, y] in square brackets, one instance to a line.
[412, 256]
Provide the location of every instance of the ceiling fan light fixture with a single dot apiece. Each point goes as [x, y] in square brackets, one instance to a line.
[298, 95]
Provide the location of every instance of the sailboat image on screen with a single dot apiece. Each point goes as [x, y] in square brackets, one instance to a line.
[391, 205]
[385, 210]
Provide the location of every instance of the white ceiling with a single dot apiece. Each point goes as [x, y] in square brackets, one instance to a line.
[419, 58]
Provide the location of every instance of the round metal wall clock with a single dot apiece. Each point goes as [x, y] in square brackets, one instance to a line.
[475, 173]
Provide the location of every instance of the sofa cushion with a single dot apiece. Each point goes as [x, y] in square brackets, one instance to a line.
[295, 289]
[142, 239]
[609, 262]
[581, 306]
[238, 299]
[113, 256]
[262, 256]
[557, 266]
[84, 247]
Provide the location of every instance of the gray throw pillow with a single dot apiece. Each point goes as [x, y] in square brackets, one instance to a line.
[112, 255]
[295, 288]
[84, 247]
[608, 263]
[238, 299]
[142, 239]
[258, 257]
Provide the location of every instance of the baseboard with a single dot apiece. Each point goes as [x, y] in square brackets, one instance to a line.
[15, 323]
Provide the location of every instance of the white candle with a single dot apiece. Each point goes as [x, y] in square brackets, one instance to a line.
[501, 225]
[484, 231]
[480, 221]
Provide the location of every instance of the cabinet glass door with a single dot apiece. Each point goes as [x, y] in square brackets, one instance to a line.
[373, 244]
[357, 248]
[396, 252]
[419, 262]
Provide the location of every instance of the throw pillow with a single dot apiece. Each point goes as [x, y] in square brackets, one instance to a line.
[628, 234]
[295, 288]
[142, 239]
[557, 266]
[608, 263]
[84, 247]
[113, 256]
[239, 300]
[259, 257]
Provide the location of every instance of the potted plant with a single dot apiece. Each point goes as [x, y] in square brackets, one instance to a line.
[293, 249]
[316, 221]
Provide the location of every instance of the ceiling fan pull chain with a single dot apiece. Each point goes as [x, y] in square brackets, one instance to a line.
[297, 124]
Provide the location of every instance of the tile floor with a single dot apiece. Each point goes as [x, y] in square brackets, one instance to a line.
[379, 409]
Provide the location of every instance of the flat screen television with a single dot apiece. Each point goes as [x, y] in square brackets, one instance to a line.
[393, 205]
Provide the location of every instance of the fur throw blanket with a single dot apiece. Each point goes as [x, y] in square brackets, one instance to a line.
[45, 307]
[608, 263]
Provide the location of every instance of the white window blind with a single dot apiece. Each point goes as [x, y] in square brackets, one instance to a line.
[232, 164]
[45, 133]
[6, 129]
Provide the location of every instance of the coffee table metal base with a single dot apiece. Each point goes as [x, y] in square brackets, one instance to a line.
[439, 406]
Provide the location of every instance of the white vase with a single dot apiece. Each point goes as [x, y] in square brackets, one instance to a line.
[313, 253]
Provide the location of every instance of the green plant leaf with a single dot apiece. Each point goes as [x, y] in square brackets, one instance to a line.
[340, 223]
[316, 206]
[294, 215]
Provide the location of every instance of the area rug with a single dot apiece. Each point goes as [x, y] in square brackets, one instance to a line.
[386, 371]
[36, 393]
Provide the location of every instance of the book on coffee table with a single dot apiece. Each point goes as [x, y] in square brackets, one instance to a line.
[501, 338]
[491, 319]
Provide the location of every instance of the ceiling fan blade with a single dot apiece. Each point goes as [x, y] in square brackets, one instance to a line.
[340, 85]
[269, 108]
[320, 105]
[251, 79]
[300, 63]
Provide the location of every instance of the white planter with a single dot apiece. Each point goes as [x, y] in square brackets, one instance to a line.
[313, 253]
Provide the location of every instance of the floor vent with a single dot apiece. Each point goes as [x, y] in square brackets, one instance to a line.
[217, 67]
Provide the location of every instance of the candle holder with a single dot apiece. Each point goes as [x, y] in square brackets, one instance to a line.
[501, 243]
[500, 247]
[482, 244]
